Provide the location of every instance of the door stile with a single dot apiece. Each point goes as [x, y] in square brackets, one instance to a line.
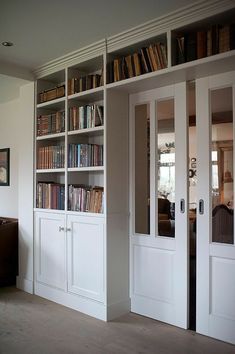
[153, 179]
[181, 218]
[203, 193]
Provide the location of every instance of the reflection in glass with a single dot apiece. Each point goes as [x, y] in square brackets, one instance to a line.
[166, 167]
[142, 170]
[222, 165]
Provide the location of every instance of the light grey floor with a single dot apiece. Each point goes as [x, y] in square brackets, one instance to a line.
[30, 324]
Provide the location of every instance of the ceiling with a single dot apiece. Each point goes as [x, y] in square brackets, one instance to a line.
[45, 30]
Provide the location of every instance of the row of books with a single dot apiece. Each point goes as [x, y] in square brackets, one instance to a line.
[50, 195]
[51, 94]
[148, 59]
[51, 123]
[196, 45]
[85, 155]
[83, 83]
[83, 117]
[50, 157]
[86, 198]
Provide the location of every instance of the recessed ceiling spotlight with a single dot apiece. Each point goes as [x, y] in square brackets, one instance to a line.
[7, 44]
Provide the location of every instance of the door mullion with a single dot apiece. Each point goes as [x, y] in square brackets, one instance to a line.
[153, 179]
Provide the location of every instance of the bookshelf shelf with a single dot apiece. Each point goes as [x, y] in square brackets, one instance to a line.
[56, 103]
[95, 94]
[50, 211]
[85, 213]
[86, 169]
[50, 136]
[51, 170]
[89, 131]
[197, 68]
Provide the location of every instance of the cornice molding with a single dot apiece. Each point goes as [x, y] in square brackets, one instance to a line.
[181, 17]
[78, 56]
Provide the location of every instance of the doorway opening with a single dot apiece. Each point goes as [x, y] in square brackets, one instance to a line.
[192, 173]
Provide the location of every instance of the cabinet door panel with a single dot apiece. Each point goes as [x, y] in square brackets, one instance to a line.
[51, 250]
[86, 257]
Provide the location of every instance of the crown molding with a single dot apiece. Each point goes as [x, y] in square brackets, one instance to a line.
[181, 17]
[78, 56]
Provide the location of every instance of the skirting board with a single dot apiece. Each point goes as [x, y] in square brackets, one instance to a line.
[82, 304]
[24, 284]
[75, 302]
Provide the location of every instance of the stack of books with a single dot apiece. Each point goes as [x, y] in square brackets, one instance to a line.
[51, 123]
[83, 83]
[85, 198]
[85, 155]
[52, 94]
[203, 43]
[50, 195]
[83, 117]
[148, 59]
[50, 157]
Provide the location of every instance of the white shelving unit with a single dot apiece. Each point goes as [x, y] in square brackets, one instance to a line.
[92, 254]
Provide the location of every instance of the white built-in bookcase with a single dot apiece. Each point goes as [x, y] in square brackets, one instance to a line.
[90, 251]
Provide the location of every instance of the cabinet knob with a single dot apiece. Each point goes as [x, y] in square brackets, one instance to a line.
[61, 228]
[68, 229]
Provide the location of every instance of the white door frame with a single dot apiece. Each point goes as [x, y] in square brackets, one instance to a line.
[171, 254]
[215, 315]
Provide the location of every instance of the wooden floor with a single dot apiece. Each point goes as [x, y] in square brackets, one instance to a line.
[32, 325]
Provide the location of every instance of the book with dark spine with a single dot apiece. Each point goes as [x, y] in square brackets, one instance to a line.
[190, 46]
[201, 44]
[146, 60]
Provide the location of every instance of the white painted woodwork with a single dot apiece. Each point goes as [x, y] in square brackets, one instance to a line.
[94, 256]
[50, 237]
[159, 264]
[117, 203]
[86, 256]
[215, 261]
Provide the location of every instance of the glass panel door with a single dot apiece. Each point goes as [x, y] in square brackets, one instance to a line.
[159, 225]
[166, 167]
[215, 99]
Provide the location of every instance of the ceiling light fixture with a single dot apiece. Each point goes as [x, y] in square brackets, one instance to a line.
[7, 44]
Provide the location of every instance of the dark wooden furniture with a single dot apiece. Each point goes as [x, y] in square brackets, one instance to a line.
[164, 209]
[8, 251]
[222, 224]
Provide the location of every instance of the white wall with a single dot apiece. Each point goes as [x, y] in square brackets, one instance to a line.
[9, 138]
[25, 182]
[16, 132]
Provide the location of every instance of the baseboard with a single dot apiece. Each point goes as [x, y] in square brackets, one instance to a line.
[24, 284]
[118, 309]
[75, 302]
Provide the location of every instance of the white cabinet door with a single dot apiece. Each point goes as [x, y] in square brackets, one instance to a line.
[215, 100]
[86, 256]
[51, 250]
[159, 222]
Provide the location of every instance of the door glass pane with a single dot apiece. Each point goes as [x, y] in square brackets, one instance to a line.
[192, 153]
[222, 165]
[142, 169]
[166, 167]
